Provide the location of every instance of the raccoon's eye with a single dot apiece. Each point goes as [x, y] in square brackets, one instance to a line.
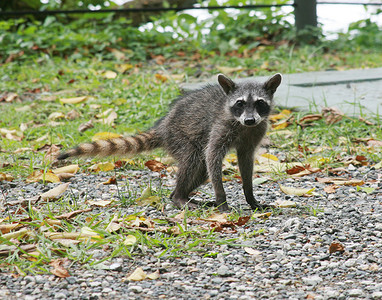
[262, 107]
[240, 103]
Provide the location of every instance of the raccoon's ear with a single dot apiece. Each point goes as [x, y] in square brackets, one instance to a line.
[226, 83]
[272, 83]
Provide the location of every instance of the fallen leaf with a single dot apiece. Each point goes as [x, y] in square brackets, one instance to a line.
[330, 189]
[336, 247]
[252, 251]
[137, 275]
[40, 175]
[367, 190]
[161, 77]
[154, 275]
[111, 180]
[100, 203]
[104, 167]
[107, 117]
[11, 134]
[6, 228]
[85, 126]
[284, 114]
[105, 136]
[332, 115]
[56, 115]
[280, 125]
[6, 177]
[55, 193]
[67, 169]
[262, 215]
[109, 74]
[217, 217]
[155, 165]
[73, 114]
[309, 119]
[130, 240]
[270, 156]
[286, 203]
[296, 191]
[58, 268]
[229, 70]
[72, 214]
[74, 100]
[122, 68]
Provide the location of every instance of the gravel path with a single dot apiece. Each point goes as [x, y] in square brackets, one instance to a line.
[290, 260]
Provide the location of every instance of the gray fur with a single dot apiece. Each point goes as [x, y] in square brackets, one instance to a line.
[199, 130]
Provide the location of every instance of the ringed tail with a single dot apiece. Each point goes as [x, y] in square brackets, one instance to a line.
[117, 146]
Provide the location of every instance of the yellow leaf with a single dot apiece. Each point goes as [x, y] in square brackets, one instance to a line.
[112, 227]
[105, 136]
[296, 191]
[262, 215]
[74, 100]
[231, 158]
[270, 156]
[67, 169]
[137, 275]
[378, 165]
[56, 115]
[55, 193]
[17, 234]
[6, 177]
[152, 200]
[39, 175]
[282, 115]
[281, 125]
[122, 68]
[109, 74]
[130, 240]
[161, 77]
[102, 167]
[228, 70]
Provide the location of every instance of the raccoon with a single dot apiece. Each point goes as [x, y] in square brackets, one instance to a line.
[198, 131]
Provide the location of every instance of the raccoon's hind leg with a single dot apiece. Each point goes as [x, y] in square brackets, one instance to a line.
[191, 174]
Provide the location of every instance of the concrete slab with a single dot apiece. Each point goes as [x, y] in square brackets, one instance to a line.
[352, 91]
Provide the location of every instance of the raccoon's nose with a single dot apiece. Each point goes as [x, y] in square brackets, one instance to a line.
[249, 121]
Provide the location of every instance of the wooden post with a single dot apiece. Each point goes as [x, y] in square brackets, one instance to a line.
[305, 13]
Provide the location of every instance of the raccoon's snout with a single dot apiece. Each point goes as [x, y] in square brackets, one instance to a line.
[249, 121]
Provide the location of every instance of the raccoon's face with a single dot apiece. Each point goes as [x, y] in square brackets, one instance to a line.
[250, 109]
[250, 103]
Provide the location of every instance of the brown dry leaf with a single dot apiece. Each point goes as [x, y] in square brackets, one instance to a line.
[331, 189]
[73, 114]
[332, 115]
[159, 59]
[74, 100]
[161, 77]
[111, 180]
[336, 247]
[58, 267]
[242, 220]
[6, 177]
[67, 169]
[85, 126]
[180, 216]
[39, 175]
[52, 152]
[310, 118]
[155, 165]
[72, 214]
[6, 228]
[55, 193]
[9, 97]
[217, 217]
[295, 170]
